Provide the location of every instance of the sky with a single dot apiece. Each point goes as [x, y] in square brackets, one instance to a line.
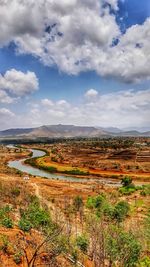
[81, 62]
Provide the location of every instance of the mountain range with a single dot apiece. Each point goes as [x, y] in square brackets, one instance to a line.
[68, 131]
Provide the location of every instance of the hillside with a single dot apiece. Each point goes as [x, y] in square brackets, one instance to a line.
[67, 131]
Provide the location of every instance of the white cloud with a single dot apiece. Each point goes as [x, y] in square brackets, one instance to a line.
[47, 102]
[77, 36]
[91, 93]
[18, 82]
[121, 109]
[5, 98]
[4, 112]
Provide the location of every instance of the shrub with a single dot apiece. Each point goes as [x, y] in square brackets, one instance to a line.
[121, 210]
[24, 225]
[7, 222]
[95, 202]
[145, 262]
[5, 243]
[34, 216]
[17, 257]
[122, 247]
[127, 190]
[52, 169]
[38, 216]
[145, 190]
[82, 243]
[15, 191]
[126, 181]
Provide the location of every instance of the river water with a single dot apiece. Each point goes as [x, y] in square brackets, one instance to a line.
[21, 166]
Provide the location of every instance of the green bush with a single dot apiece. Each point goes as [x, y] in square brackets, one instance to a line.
[121, 210]
[145, 262]
[145, 190]
[38, 216]
[17, 257]
[82, 243]
[5, 243]
[127, 190]
[24, 225]
[95, 202]
[52, 169]
[122, 247]
[34, 216]
[7, 222]
[126, 181]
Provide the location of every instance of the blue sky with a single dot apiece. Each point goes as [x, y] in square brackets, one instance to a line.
[73, 74]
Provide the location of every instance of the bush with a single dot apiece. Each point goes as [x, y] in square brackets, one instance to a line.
[24, 225]
[38, 216]
[126, 181]
[127, 190]
[17, 257]
[145, 190]
[122, 247]
[34, 216]
[15, 191]
[82, 243]
[121, 210]
[7, 222]
[145, 262]
[52, 169]
[95, 202]
[5, 243]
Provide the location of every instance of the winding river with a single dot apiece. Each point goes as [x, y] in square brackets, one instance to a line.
[21, 166]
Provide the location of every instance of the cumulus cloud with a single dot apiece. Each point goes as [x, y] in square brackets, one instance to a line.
[47, 102]
[5, 98]
[18, 82]
[121, 109]
[4, 112]
[77, 36]
[91, 93]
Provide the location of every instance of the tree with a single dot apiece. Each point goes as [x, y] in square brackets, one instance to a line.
[122, 247]
[121, 210]
[126, 181]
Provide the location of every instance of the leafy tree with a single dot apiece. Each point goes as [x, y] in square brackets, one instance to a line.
[122, 247]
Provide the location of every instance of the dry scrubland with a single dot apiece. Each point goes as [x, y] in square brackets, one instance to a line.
[55, 223]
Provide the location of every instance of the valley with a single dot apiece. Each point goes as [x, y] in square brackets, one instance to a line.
[72, 222]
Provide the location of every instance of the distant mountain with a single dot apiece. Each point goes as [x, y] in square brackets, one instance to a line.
[68, 131]
[55, 131]
[110, 129]
[139, 129]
